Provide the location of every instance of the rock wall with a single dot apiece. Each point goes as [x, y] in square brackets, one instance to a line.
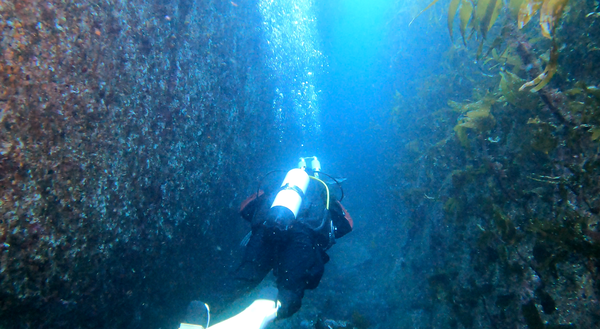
[129, 132]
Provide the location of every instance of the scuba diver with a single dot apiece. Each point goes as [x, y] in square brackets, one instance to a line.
[292, 228]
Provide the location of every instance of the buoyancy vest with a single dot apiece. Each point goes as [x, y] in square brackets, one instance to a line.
[328, 224]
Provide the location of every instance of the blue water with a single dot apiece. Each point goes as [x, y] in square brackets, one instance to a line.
[368, 54]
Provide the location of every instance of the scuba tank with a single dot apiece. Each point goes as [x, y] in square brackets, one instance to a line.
[288, 200]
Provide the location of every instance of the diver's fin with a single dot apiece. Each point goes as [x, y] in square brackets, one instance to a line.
[197, 312]
[269, 293]
[256, 316]
[190, 326]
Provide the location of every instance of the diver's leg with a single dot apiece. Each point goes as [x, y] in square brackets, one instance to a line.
[256, 264]
[300, 266]
[258, 258]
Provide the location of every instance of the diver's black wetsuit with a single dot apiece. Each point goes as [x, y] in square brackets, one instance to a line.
[296, 254]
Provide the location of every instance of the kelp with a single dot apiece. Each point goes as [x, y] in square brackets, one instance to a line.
[451, 13]
[422, 11]
[551, 11]
[482, 15]
[499, 41]
[476, 116]
[542, 80]
[466, 10]
[531, 218]
[509, 89]
[515, 6]
[595, 133]
[505, 57]
[528, 9]
[486, 12]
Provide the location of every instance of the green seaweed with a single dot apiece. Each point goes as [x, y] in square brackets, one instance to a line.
[475, 116]
[509, 88]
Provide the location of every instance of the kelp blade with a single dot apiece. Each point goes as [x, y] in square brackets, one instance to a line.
[508, 87]
[480, 11]
[515, 6]
[495, 13]
[486, 13]
[475, 116]
[542, 80]
[451, 13]
[595, 133]
[550, 14]
[528, 9]
[424, 10]
[466, 10]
